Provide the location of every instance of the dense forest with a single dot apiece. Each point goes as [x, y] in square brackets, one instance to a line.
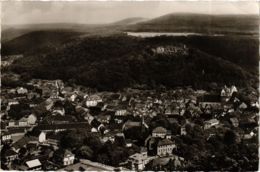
[118, 61]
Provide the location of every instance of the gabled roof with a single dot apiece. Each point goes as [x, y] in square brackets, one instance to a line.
[159, 130]
[10, 152]
[23, 141]
[165, 142]
[63, 153]
[33, 163]
[210, 98]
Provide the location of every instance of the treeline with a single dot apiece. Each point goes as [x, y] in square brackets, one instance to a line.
[115, 62]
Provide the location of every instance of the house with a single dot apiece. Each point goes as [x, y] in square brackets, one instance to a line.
[128, 143]
[104, 118]
[34, 165]
[108, 137]
[183, 130]
[138, 161]
[22, 90]
[242, 106]
[23, 122]
[42, 137]
[121, 112]
[130, 124]
[93, 100]
[17, 131]
[64, 157]
[11, 102]
[165, 147]
[31, 119]
[58, 110]
[210, 101]
[210, 123]
[32, 95]
[234, 121]
[62, 127]
[10, 155]
[226, 93]
[120, 138]
[58, 119]
[159, 132]
[6, 136]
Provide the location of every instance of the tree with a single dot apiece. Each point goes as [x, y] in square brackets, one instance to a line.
[230, 137]
[175, 128]
[72, 139]
[85, 152]
[18, 111]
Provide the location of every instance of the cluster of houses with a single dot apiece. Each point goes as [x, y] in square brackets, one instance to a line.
[32, 142]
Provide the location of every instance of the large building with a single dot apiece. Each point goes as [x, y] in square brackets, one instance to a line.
[165, 147]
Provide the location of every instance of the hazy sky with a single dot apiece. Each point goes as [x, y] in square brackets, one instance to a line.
[18, 12]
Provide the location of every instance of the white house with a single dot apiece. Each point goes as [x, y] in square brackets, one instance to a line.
[68, 158]
[31, 119]
[138, 160]
[6, 136]
[120, 112]
[165, 147]
[23, 122]
[93, 100]
[42, 137]
[22, 90]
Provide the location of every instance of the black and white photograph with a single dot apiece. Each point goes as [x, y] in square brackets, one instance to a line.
[129, 85]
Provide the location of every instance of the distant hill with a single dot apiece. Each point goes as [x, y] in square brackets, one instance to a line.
[10, 32]
[115, 62]
[200, 23]
[129, 21]
[38, 42]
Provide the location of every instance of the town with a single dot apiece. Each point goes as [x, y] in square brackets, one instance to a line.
[51, 125]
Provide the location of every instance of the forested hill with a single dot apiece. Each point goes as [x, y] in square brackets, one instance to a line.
[115, 62]
[38, 42]
[241, 50]
[201, 23]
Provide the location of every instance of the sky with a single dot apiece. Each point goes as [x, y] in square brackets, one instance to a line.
[98, 12]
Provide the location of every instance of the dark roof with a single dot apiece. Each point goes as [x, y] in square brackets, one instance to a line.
[62, 153]
[58, 118]
[159, 130]
[209, 98]
[165, 142]
[23, 141]
[10, 152]
[74, 125]
[3, 125]
[95, 123]
[4, 133]
[55, 136]
[14, 130]
[94, 110]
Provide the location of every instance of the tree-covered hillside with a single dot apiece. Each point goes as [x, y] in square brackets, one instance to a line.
[38, 42]
[115, 62]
